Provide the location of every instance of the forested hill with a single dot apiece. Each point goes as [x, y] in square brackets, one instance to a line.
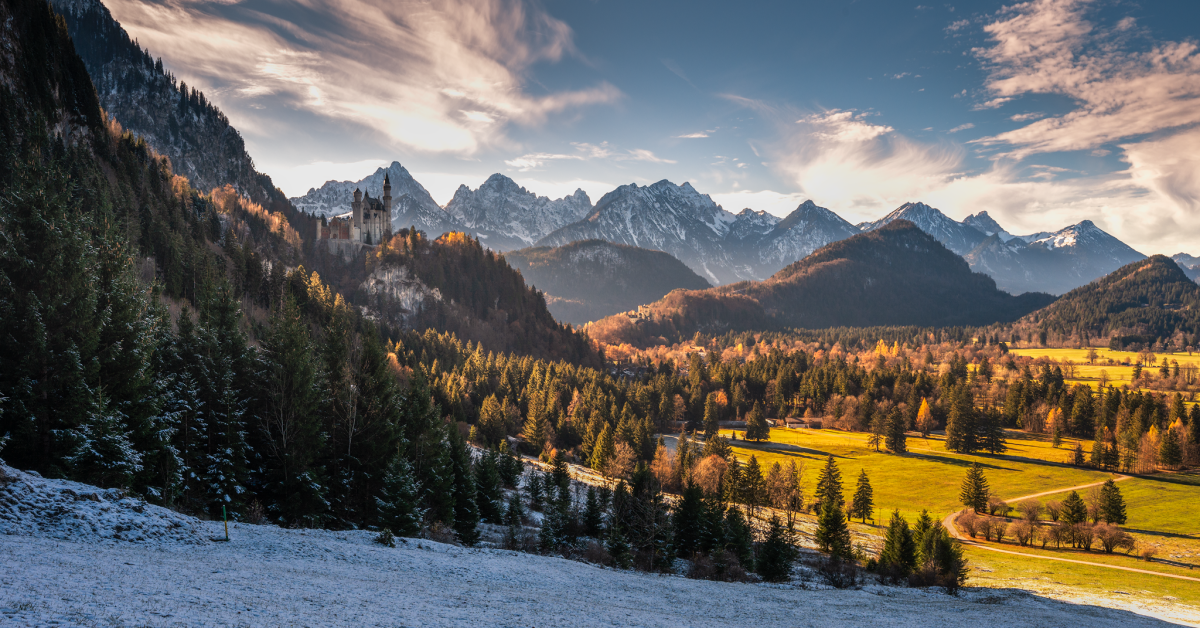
[175, 120]
[590, 279]
[1147, 301]
[895, 275]
[453, 284]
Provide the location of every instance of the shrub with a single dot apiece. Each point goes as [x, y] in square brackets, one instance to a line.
[839, 574]
[702, 568]
[1030, 509]
[441, 533]
[997, 506]
[256, 514]
[1054, 509]
[385, 538]
[1023, 531]
[968, 522]
[595, 553]
[1084, 535]
[998, 530]
[1149, 553]
[1111, 538]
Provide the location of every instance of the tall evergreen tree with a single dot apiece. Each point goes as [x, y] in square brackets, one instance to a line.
[829, 484]
[289, 425]
[754, 486]
[739, 539]
[897, 441]
[466, 510]
[961, 429]
[488, 495]
[1074, 510]
[397, 501]
[974, 491]
[899, 555]
[864, 498]
[756, 424]
[712, 417]
[688, 522]
[1112, 505]
[833, 534]
[777, 553]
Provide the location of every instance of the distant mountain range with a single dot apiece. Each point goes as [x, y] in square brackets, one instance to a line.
[895, 274]
[587, 280]
[723, 247]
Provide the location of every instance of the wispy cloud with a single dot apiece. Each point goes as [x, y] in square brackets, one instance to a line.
[692, 136]
[433, 75]
[1130, 91]
[962, 127]
[583, 152]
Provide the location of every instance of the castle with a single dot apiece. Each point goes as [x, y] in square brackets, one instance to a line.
[370, 220]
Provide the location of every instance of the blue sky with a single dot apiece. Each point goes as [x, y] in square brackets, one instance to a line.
[1042, 113]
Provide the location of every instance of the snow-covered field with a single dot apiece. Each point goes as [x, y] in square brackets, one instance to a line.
[74, 555]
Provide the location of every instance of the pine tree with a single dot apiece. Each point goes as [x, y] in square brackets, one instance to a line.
[739, 539]
[712, 417]
[974, 492]
[514, 514]
[466, 511]
[397, 502]
[777, 553]
[961, 431]
[756, 424]
[593, 514]
[864, 501]
[488, 495]
[292, 427]
[1170, 454]
[753, 484]
[688, 521]
[829, 484]
[731, 482]
[603, 451]
[833, 535]
[1112, 505]
[899, 555]
[878, 430]
[897, 440]
[1077, 457]
[921, 531]
[993, 431]
[1074, 510]
[536, 429]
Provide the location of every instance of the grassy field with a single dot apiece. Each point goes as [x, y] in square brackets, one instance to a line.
[1162, 509]
[1119, 373]
[927, 476]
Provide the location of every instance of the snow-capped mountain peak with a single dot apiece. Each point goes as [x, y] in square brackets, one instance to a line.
[957, 237]
[507, 216]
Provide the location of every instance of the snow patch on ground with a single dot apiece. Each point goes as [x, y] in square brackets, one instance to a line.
[59, 509]
[63, 562]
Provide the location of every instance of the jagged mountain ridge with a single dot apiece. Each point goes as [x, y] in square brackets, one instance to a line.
[506, 216]
[411, 203]
[174, 120]
[1056, 262]
[590, 279]
[716, 244]
[956, 236]
[894, 275]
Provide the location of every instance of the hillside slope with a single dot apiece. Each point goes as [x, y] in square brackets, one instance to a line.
[1143, 302]
[894, 275]
[590, 279]
[272, 576]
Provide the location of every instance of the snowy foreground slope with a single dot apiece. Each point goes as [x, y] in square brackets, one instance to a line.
[64, 565]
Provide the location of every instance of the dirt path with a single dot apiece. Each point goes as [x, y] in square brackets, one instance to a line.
[950, 526]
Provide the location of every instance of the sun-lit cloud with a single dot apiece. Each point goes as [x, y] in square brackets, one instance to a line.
[584, 152]
[692, 136]
[442, 76]
[962, 127]
[1130, 91]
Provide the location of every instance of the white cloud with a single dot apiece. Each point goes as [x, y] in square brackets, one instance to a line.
[442, 76]
[585, 151]
[1025, 117]
[692, 136]
[1143, 96]
[962, 127]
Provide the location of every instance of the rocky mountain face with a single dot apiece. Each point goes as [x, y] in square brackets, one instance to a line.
[173, 119]
[1189, 264]
[803, 231]
[587, 280]
[893, 275]
[956, 236]
[506, 216]
[1055, 262]
[716, 244]
[663, 216]
[983, 222]
[411, 203]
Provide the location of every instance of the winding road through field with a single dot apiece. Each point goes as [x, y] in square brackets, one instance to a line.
[948, 523]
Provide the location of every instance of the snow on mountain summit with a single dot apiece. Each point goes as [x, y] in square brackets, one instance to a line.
[507, 216]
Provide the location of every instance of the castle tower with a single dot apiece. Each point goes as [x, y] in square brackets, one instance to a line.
[386, 219]
[356, 221]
